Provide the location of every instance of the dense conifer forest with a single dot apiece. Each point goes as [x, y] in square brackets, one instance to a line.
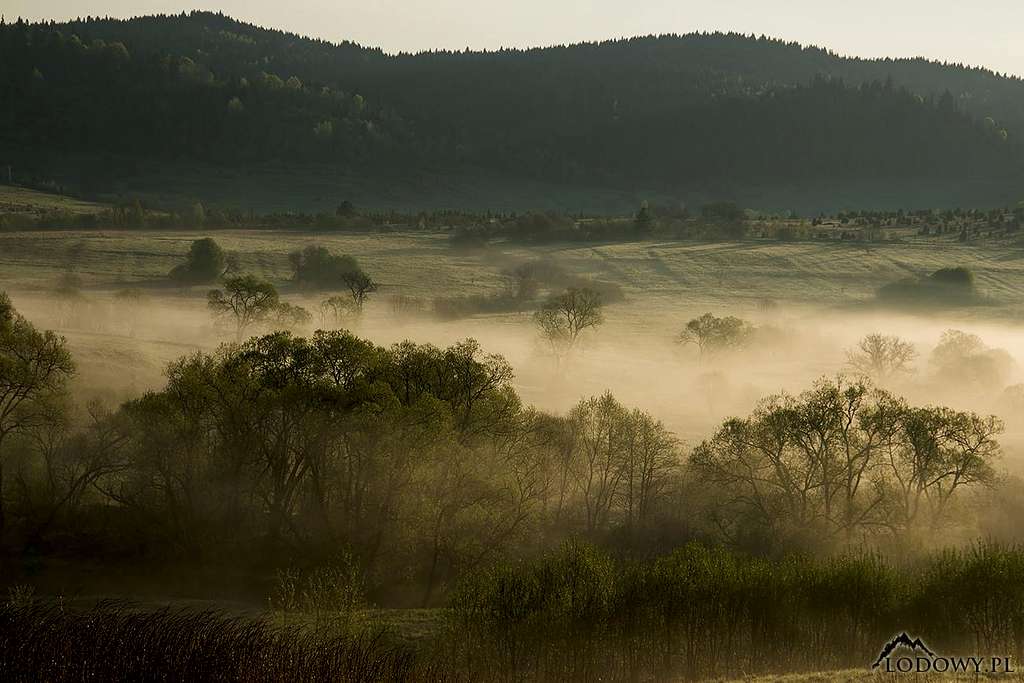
[92, 98]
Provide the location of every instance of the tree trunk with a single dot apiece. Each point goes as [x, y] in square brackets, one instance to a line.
[3, 515]
[428, 592]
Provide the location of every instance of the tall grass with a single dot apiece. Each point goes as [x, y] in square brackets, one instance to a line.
[577, 614]
[699, 612]
[112, 642]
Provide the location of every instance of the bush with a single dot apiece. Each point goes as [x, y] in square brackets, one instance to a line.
[318, 268]
[944, 287]
[205, 263]
[331, 593]
[469, 238]
[456, 307]
[703, 611]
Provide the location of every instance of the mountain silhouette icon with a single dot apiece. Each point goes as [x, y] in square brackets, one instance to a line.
[904, 640]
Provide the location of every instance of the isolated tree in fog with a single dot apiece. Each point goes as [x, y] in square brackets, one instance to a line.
[286, 316]
[34, 369]
[69, 297]
[336, 310]
[964, 360]
[566, 316]
[129, 301]
[360, 286]
[316, 267]
[711, 334]
[881, 356]
[245, 299]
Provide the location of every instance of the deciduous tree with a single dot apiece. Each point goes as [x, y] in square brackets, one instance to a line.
[34, 369]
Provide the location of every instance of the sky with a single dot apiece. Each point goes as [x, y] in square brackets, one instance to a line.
[983, 34]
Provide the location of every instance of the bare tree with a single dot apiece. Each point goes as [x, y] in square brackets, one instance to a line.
[648, 458]
[286, 316]
[336, 311]
[130, 301]
[72, 462]
[360, 286]
[566, 316]
[711, 334]
[881, 356]
[599, 430]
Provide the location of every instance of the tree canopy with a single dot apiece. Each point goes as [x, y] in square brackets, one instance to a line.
[705, 110]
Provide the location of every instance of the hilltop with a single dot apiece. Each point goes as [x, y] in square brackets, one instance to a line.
[200, 105]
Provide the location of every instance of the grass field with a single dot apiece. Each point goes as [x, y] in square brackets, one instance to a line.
[20, 200]
[824, 292]
[711, 274]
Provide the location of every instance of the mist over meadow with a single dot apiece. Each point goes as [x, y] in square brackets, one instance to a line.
[677, 357]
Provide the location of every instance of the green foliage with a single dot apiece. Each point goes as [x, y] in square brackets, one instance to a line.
[702, 611]
[944, 287]
[245, 299]
[958, 277]
[643, 223]
[206, 262]
[332, 593]
[665, 112]
[318, 268]
[35, 368]
[713, 335]
[844, 462]
[315, 266]
[338, 439]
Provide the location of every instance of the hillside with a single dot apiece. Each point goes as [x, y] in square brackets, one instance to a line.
[101, 106]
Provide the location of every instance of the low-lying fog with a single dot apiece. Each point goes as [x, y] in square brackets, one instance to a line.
[121, 349]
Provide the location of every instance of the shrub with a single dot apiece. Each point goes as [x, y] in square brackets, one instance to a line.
[944, 287]
[318, 268]
[205, 262]
[704, 612]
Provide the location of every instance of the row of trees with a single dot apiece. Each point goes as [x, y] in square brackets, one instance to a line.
[562, 320]
[248, 303]
[424, 462]
[844, 461]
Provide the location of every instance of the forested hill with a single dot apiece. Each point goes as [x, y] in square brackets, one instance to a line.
[712, 114]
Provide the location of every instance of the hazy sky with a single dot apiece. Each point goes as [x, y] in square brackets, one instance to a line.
[983, 33]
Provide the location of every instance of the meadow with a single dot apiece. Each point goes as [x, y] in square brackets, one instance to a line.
[820, 293]
[809, 302]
